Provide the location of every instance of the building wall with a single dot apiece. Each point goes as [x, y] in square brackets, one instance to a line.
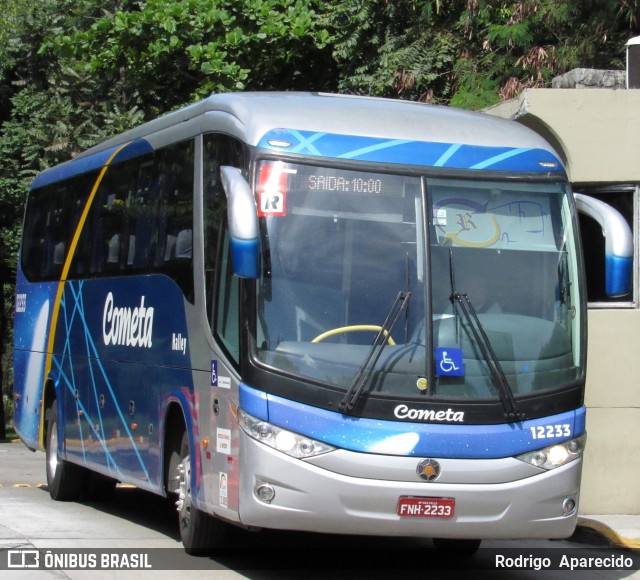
[611, 473]
[596, 131]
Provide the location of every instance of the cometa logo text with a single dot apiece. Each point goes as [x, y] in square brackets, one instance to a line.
[127, 326]
[404, 412]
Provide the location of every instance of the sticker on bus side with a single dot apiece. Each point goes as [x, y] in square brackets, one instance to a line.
[214, 373]
[223, 494]
[272, 203]
[223, 441]
[272, 189]
[21, 302]
[216, 379]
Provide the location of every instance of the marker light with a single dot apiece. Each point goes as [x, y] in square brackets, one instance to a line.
[278, 143]
[293, 444]
[555, 455]
[568, 506]
[264, 492]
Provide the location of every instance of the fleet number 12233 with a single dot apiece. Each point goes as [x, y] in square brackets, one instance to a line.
[551, 431]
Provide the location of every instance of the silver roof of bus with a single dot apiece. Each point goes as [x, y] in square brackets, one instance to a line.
[249, 116]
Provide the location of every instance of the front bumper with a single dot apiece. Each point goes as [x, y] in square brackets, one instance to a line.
[354, 493]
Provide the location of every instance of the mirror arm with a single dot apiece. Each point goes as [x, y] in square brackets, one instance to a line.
[242, 216]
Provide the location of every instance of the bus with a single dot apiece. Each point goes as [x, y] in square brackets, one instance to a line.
[305, 311]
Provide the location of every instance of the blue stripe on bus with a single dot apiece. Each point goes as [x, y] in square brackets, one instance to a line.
[90, 163]
[245, 256]
[618, 275]
[422, 153]
[460, 441]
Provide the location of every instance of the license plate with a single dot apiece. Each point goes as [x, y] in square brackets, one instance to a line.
[426, 507]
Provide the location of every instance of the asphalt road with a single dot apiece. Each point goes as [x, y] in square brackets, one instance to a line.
[138, 522]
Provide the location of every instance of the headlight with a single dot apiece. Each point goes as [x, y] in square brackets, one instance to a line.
[555, 455]
[288, 442]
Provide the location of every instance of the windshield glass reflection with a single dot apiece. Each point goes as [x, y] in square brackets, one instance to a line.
[341, 245]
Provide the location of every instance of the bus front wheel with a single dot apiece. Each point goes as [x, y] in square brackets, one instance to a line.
[64, 480]
[200, 532]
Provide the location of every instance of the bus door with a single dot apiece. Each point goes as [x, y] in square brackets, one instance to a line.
[224, 385]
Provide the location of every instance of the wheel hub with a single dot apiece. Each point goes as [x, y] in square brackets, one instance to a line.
[183, 503]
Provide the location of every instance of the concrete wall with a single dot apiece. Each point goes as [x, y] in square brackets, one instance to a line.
[611, 474]
[595, 131]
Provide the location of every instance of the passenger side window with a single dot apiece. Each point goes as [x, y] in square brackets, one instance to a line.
[141, 220]
[227, 318]
[109, 228]
[174, 251]
[51, 220]
[221, 287]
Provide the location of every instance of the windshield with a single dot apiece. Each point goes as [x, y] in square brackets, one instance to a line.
[347, 250]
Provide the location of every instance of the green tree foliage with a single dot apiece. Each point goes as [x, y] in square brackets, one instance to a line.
[397, 49]
[162, 53]
[526, 43]
[471, 53]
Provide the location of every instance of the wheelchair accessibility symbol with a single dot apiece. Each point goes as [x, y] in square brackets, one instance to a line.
[449, 362]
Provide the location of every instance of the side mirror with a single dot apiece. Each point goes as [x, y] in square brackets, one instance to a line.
[243, 223]
[618, 243]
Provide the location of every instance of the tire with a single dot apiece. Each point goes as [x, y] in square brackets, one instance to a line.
[65, 481]
[200, 533]
[462, 548]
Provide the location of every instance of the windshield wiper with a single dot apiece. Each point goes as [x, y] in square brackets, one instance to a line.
[379, 342]
[498, 377]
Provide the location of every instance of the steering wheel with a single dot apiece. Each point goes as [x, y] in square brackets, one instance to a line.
[354, 328]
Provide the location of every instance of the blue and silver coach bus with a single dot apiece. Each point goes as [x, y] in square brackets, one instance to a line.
[310, 312]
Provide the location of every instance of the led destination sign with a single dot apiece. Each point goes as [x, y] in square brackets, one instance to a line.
[339, 183]
[285, 188]
[333, 180]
